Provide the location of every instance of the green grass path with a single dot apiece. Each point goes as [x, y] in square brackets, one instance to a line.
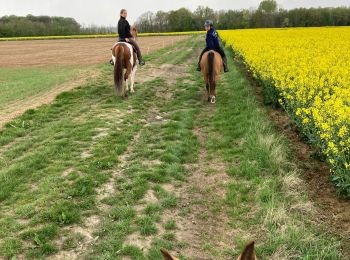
[94, 176]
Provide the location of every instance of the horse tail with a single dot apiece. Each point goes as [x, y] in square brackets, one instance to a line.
[211, 58]
[118, 69]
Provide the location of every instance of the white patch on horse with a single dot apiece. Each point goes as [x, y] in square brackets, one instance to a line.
[131, 49]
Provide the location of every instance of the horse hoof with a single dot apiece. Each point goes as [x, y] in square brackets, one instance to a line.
[213, 100]
[209, 99]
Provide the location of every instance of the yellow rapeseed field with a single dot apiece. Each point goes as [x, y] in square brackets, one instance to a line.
[310, 69]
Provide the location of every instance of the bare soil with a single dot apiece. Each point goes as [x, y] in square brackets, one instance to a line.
[332, 208]
[71, 51]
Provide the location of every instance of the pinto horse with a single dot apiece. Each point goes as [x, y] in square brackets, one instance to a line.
[125, 65]
[211, 66]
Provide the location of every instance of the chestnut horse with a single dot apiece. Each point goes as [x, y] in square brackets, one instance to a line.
[125, 66]
[211, 66]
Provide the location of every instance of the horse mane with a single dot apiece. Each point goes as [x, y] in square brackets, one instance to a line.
[118, 69]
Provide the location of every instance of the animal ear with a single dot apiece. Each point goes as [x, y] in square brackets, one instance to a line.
[248, 252]
[167, 255]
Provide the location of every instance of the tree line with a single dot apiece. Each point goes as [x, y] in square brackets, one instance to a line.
[16, 26]
[267, 15]
[26, 26]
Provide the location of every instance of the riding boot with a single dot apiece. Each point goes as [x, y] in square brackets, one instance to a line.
[141, 62]
[225, 64]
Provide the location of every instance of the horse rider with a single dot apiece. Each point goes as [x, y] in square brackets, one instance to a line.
[213, 43]
[126, 36]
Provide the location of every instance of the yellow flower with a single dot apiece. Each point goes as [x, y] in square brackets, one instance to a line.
[310, 68]
[343, 131]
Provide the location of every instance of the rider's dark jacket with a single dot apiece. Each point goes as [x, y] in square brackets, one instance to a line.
[124, 29]
[212, 39]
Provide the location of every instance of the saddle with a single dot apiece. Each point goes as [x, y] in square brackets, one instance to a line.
[124, 41]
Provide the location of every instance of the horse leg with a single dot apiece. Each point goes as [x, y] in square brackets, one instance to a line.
[127, 85]
[212, 92]
[126, 80]
[217, 77]
[209, 92]
[207, 86]
[214, 89]
[133, 74]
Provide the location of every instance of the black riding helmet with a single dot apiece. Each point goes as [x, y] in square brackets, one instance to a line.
[209, 23]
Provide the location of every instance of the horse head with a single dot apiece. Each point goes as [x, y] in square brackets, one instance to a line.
[133, 31]
[247, 254]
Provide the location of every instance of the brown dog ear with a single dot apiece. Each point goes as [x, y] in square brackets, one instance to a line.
[167, 255]
[248, 252]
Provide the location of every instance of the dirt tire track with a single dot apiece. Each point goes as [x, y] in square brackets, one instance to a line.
[199, 195]
[92, 223]
[203, 193]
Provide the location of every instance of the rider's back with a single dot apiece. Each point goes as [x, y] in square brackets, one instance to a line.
[124, 29]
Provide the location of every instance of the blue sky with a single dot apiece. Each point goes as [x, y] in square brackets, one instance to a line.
[105, 12]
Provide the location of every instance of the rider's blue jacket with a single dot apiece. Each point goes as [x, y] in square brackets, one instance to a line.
[212, 39]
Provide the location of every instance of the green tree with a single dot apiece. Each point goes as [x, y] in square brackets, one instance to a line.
[285, 22]
[181, 20]
[161, 21]
[201, 14]
[268, 6]
[146, 23]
